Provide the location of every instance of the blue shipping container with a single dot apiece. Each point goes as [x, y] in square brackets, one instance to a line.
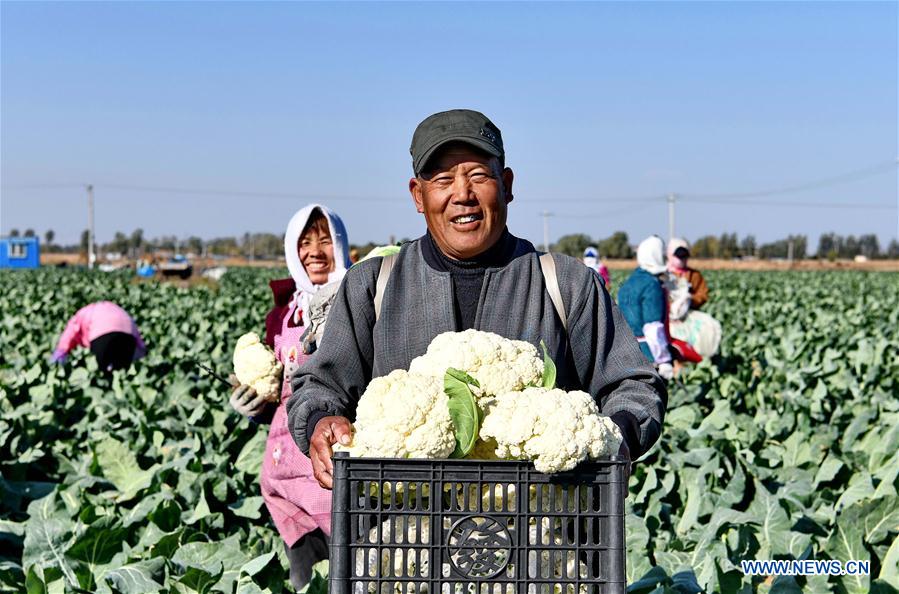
[20, 252]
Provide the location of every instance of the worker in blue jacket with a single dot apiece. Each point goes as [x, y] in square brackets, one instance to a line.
[644, 304]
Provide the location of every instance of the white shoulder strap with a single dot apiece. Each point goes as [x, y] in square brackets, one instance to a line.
[548, 267]
[387, 263]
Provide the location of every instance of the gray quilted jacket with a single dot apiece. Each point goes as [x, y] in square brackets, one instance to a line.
[600, 356]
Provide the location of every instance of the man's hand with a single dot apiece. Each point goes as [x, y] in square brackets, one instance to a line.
[328, 431]
[245, 401]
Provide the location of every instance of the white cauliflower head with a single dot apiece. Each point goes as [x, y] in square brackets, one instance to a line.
[255, 365]
[554, 428]
[499, 364]
[403, 415]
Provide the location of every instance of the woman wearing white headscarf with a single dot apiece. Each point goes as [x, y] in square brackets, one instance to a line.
[644, 304]
[678, 256]
[593, 262]
[697, 328]
[317, 253]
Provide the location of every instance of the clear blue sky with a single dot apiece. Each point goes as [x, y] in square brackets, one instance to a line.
[596, 102]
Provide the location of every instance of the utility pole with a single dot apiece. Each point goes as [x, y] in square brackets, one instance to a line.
[671, 199]
[790, 252]
[90, 226]
[546, 215]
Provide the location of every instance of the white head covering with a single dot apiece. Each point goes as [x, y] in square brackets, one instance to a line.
[651, 255]
[675, 243]
[675, 263]
[305, 288]
[591, 257]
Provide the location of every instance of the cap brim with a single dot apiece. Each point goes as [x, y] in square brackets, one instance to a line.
[474, 141]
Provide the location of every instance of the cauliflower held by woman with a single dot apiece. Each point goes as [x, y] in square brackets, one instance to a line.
[554, 428]
[255, 365]
[403, 415]
[498, 364]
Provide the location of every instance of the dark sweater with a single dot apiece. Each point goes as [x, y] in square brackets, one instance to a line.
[468, 275]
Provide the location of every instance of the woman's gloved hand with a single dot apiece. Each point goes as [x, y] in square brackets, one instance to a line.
[666, 370]
[245, 400]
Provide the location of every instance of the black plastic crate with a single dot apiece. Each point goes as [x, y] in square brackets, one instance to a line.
[432, 526]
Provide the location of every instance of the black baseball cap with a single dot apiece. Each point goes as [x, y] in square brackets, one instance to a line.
[455, 125]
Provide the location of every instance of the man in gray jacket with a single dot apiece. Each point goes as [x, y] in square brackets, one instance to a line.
[468, 271]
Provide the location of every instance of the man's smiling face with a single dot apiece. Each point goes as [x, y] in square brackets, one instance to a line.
[464, 196]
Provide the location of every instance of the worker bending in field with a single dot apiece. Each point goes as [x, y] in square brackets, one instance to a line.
[317, 253]
[469, 271]
[108, 331]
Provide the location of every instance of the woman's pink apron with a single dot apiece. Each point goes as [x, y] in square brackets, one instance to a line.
[295, 500]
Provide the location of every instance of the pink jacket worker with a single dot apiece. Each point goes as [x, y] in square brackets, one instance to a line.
[107, 330]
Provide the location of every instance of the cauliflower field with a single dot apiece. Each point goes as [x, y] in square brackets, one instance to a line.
[787, 448]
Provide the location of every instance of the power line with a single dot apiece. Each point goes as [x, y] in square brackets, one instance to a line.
[850, 205]
[671, 199]
[244, 193]
[605, 214]
[292, 196]
[721, 198]
[610, 199]
[821, 183]
[42, 186]
[546, 215]
[209, 192]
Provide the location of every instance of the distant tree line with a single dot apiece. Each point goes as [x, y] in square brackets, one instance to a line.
[266, 246]
[831, 246]
[15, 233]
[262, 246]
[615, 246]
[269, 246]
[728, 246]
